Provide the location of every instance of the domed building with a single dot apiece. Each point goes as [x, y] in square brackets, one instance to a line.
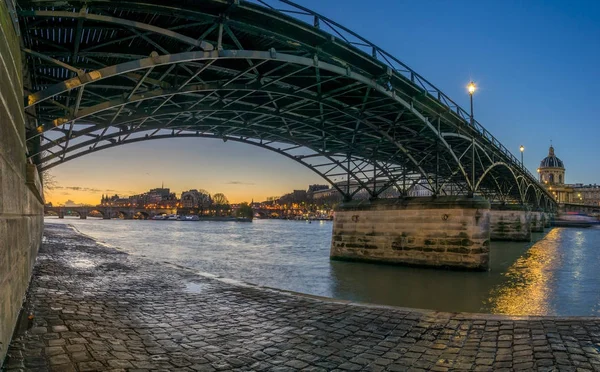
[552, 175]
[552, 169]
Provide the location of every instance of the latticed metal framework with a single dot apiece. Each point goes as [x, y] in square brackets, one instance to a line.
[108, 73]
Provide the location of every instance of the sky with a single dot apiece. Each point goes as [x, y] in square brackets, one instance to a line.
[536, 64]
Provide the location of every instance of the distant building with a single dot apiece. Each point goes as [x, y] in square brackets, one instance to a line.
[158, 195]
[420, 189]
[552, 176]
[314, 188]
[586, 194]
[324, 193]
[195, 199]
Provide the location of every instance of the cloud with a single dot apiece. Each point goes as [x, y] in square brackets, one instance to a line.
[84, 189]
[239, 183]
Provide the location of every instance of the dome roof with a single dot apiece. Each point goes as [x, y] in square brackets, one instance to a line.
[551, 161]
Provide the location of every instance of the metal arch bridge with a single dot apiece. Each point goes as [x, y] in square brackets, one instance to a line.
[271, 74]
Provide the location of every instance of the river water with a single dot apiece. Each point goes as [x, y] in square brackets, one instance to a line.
[556, 274]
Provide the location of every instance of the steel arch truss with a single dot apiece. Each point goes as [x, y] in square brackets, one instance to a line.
[103, 76]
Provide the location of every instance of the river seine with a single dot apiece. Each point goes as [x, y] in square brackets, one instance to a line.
[556, 274]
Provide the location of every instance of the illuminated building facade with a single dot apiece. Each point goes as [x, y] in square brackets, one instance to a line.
[552, 176]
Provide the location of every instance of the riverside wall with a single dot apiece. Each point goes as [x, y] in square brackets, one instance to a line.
[21, 201]
[451, 232]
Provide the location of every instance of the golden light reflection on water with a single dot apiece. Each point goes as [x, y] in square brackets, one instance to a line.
[527, 289]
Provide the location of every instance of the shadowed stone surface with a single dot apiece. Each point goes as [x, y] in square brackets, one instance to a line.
[97, 308]
[21, 209]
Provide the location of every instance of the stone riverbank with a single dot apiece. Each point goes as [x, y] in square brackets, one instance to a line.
[96, 308]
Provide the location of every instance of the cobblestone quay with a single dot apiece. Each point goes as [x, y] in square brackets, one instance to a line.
[97, 308]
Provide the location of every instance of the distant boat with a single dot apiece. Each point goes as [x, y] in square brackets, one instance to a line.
[189, 218]
[159, 217]
[172, 217]
[575, 220]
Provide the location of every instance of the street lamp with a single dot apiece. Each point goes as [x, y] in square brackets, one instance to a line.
[471, 88]
[522, 148]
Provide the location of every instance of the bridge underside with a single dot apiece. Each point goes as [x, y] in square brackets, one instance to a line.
[103, 76]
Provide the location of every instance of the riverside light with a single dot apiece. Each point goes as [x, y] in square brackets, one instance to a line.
[522, 148]
[471, 87]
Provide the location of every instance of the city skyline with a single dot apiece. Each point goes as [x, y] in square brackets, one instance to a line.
[517, 101]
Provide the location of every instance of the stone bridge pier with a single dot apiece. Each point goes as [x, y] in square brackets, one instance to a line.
[510, 222]
[447, 231]
[537, 221]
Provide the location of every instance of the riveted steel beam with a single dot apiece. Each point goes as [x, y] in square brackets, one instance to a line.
[119, 21]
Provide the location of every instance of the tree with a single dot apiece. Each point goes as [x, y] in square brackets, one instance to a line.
[205, 201]
[245, 210]
[220, 201]
[48, 182]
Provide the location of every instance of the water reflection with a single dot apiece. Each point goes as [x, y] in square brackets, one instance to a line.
[555, 275]
[425, 288]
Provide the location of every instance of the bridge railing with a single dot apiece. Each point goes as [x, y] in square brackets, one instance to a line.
[357, 41]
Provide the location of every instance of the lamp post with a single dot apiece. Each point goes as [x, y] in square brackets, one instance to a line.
[522, 148]
[471, 88]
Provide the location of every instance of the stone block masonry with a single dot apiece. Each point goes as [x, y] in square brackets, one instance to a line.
[21, 209]
[537, 221]
[510, 223]
[452, 232]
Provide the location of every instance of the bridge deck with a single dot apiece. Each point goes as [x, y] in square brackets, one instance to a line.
[104, 76]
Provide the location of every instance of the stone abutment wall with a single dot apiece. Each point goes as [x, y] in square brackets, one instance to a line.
[438, 232]
[21, 203]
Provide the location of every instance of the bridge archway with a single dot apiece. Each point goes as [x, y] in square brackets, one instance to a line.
[95, 212]
[140, 215]
[331, 101]
[67, 212]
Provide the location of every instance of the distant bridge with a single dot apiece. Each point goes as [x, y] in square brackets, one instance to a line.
[104, 74]
[106, 212]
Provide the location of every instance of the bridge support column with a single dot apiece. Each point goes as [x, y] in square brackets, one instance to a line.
[438, 232]
[537, 221]
[547, 219]
[61, 214]
[510, 223]
[83, 215]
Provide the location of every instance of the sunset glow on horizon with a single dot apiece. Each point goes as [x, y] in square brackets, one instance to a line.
[242, 172]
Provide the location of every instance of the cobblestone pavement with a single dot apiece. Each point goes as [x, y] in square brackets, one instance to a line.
[97, 308]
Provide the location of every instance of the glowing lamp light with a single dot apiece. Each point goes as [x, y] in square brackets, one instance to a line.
[471, 88]
[522, 148]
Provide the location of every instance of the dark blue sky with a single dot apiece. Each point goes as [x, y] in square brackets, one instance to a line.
[536, 64]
